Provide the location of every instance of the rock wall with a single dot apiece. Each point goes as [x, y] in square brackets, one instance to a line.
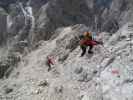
[3, 30]
[98, 15]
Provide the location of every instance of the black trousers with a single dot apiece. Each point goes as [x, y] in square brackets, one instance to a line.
[84, 49]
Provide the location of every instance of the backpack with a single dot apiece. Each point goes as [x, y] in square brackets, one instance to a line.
[81, 37]
[85, 35]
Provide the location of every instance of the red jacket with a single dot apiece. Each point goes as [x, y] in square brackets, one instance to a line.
[88, 42]
[50, 61]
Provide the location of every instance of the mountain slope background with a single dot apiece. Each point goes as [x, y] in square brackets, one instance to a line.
[33, 29]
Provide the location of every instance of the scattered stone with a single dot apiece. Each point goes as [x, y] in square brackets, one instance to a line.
[118, 76]
[55, 72]
[128, 81]
[80, 97]
[85, 77]
[78, 70]
[8, 90]
[95, 72]
[131, 60]
[122, 37]
[38, 91]
[14, 85]
[43, 83]
[96, 84]
[17, 73]
[59, 89]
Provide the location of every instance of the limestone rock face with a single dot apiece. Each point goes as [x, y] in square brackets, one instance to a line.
[47, 16]
[3, 28]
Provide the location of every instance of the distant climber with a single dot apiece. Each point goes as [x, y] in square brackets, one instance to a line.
[87, 40]
[50, 62]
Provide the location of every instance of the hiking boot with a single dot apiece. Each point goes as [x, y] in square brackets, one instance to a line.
[90, 52]
[49, 69]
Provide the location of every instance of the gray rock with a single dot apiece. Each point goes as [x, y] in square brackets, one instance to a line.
[8, 90]
[78, 70]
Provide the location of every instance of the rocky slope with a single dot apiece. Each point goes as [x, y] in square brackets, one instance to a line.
[106, 75]
[35, 31]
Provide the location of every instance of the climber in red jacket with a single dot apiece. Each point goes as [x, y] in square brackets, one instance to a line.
[50, 62]
[87, 40]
